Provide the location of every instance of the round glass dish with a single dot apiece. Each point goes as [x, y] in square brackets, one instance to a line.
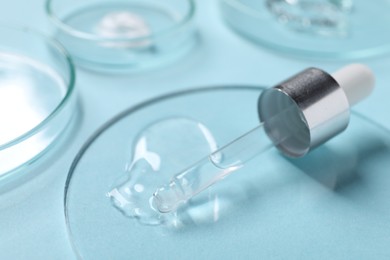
[271, 203]
[326, 29]
[118, 35]
[36, 96]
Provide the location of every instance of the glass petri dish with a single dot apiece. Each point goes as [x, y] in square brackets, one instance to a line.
[37, 96]
[119, 35]
[272, 202]
[326, 29]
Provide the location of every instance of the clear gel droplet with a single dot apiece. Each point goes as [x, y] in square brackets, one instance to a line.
[315, 17]
[160, 151]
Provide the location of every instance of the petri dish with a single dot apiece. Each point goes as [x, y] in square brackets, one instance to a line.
[37, 99]
[119, 35]
[272, 202]
[325, 29]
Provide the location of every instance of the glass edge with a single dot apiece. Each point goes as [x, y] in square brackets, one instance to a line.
[242, 7]
[6, 177]
[70, 85]
[87, 36]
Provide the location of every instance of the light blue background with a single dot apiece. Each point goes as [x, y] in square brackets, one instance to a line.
[32, 224]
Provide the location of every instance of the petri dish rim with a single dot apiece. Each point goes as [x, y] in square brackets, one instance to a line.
[140, 106]
[88, 36]
[69, 90]
[243, 7]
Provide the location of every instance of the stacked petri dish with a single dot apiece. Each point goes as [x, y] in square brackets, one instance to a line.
[37, 96]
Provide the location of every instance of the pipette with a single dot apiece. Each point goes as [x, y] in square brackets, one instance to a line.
[296, 115]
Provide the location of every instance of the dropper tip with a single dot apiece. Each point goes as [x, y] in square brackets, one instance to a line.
[165, 199]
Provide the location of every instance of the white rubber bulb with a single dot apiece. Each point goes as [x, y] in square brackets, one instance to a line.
[357, 81]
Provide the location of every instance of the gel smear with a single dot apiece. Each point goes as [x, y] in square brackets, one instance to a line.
[160, 151]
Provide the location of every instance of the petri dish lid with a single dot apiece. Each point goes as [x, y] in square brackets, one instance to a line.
[323, 29]
[271, 203]
[36, 96]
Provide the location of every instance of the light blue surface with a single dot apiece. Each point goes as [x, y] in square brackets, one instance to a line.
[32, 222]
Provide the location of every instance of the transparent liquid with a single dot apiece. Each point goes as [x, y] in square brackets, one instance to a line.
[160, 151]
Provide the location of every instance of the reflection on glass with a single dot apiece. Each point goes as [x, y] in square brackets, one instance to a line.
[160, 151]
[320, 17]
[27, 97]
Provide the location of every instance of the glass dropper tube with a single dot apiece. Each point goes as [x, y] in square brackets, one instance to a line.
[298, 114]
[222, 162]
